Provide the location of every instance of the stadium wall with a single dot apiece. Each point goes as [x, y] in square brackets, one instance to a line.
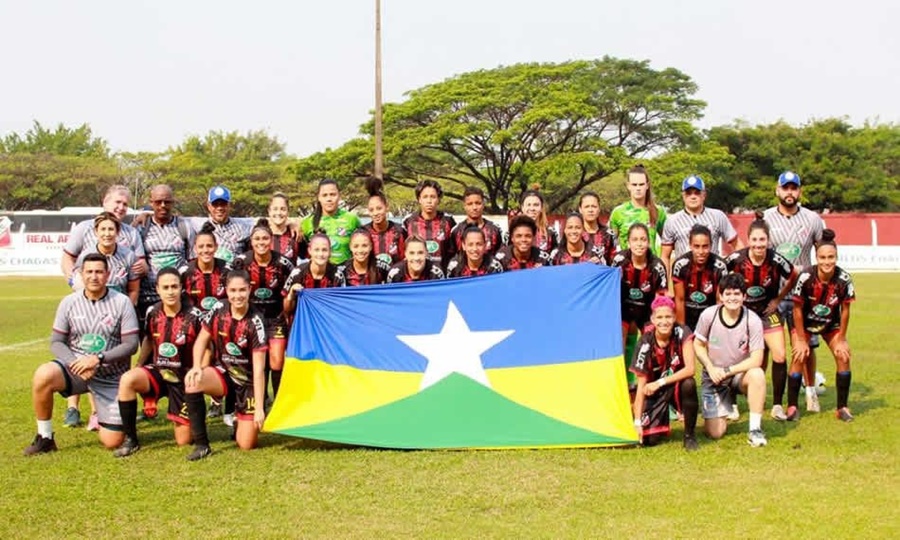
[868, 242]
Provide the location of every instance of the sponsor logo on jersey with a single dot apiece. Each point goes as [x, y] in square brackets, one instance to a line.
[92, 343]
[225, 254]
[209, 302]
[432, 246]
[163, 260]
[385, 258]
[233, 349]
[167, 350]
[698, 297]
[263, 293]
[821, 310]
[789, 250]
[756, 291]
[635, 294]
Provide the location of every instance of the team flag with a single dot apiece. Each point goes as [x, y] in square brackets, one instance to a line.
[515, 360]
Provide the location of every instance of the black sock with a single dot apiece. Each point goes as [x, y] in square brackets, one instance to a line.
[842, 379]
[196, 406]
[128, 412]
[230, 400]
[779, 380]
[794, 388]
[689, 405]
[276, 382]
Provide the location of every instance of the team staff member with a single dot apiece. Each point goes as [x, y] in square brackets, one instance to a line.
[641, 208]
[675, 239]
[595, 232]
[237, 334]
[232, 234]
[268, 273]
[474, 259]
[285, 239]
[764, 270]
[794, 231]
[696, 275]
[119, 258]
[83, 235]
[664, 366]
[166, 356]
[574, 248]
[521, 253]
[822, 298]
[431, 224]
[94, 335]
[473, 201]
[363, 268]
[416, 266]
[337, 223]
[729, 345]
[388, 238]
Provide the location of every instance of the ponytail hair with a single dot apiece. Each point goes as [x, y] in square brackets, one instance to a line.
[375, 188]
[649, 200]
[317, 207]
[828, 237]
[262, 224]
[758, 224]
[207, 229]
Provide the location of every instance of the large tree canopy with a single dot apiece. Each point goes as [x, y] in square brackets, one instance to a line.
[565, 126]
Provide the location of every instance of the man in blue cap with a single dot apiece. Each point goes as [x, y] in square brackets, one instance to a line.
[232, 234]
[793, 232]
[675, 235]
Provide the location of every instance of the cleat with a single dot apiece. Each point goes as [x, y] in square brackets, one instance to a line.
[778, 413]
[757, 438]
[215, 409]
[150, 408]
[690, 443]
[130, 446]
[793, 414]
[735, 413]
[228, 420]
[199, 453]
[40, 445]
[843, 414]
[812, 401]
[72, 417]
[93, 423]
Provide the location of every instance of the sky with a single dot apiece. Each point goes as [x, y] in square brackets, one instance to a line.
[146, 74]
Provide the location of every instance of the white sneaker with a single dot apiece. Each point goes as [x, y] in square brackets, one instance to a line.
[735, 413]
[778, 413]
[757, 438]
[228, 420]
[812, 401]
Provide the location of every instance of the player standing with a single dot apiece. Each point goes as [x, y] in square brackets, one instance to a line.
[388, 238]
[337, 223]
[416, 266]
[363, 268]
[595, 232]
[521, 253]
[431, 224]
[696, 275]
[474, 259]
[640, 208]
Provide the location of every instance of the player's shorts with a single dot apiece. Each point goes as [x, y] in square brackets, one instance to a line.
[161, 386]
[772, 323]
[105, 392]
[655, 417]
[277, 328]
[786, 309]
[245, 402]
[718, 400]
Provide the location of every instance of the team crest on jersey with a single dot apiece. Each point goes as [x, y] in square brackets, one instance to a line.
[242, 341]
[342, 231]
[708, 287]
[645, 287]
[180, 339]
[108, 321]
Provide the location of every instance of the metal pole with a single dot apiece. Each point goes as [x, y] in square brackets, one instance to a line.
[379, 151]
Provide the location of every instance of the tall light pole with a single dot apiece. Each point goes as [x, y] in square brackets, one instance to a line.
[379, 151]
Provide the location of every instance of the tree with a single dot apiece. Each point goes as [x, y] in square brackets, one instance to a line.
[565, 126]
[62, 141]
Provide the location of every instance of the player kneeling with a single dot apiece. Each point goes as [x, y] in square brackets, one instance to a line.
[729, 345]
[666, 355]
[171, 327]
[238, 336]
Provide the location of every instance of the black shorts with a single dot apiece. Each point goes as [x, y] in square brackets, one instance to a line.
[772, 323]
[162, 387]
[277, 328]
[245, 402]
[655, 417]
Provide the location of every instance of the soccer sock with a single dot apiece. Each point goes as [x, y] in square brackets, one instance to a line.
[842, 381]
[779, 380]
[196, 405]
[45, 428]
[794, 388]
[230, 400]
[276, 382]
[128, 411]
[755, 421]
[689, 405]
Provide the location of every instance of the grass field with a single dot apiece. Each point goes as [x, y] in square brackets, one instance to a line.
[818, 478]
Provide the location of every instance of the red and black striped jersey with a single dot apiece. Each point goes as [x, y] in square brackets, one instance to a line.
[389, 245]
[266, 281]
[400, 274]
[562, 256]
[536, 259]
[651, 360]
[640, 285]
[700, 283]
[235, 340]
[289, 245]
[493, 236]
[204, 289]
[821, 301]
[604, 242]
[762, 281]
[347, 276]
[172, 339]
[459, 267]
[304, 277]
[436, 233]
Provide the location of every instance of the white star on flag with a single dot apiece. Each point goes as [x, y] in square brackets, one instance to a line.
[455, 350]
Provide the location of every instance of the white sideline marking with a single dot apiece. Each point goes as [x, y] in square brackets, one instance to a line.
[4, 348]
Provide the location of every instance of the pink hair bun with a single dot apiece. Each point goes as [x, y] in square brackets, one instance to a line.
[661, 302]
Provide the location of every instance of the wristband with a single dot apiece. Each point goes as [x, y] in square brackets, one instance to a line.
[661, 382]
[100, 358]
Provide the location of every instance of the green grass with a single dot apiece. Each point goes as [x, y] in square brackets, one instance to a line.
[818, 478]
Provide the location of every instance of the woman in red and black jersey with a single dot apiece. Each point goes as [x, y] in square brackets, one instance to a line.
[764, 269]
[643, 278]
[316, 273]
[431, 224]
[696, 276]
[237, 333]
[388, 238]
[171, 327]
[363, 268]
[822, 299]
[416, 266]
[286, 240]
[521, 253]
[473, 260]
[574, 248]
[204, 277]
[596, 233]
[531, 204]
